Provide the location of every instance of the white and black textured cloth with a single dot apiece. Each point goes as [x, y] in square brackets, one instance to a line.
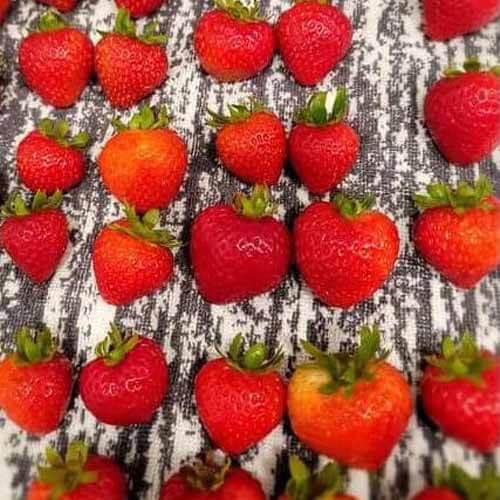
[387, 72]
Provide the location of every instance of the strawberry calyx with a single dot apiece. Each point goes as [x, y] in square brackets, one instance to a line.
[51, 21]
[237, 113]
[315, 112]
[207, 473]
[239, 11]
[322, 2]
[15, 206]
[259, 204]
[34, 346]
[147, 118]
[471, 65]
[351, 208]
[59, 131]
[115, 346]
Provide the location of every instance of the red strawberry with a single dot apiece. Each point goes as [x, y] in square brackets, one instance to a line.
[251, 142]
[131, 258]
[458, 232]
[322, 147]
[140, 8]
[241, 397]
[345, 251]
[233, 42]
[49, 159]
[56, 61]
[239, 251]
[79, 476]
[60, 5]
[313, 36]
[35, 383]
[35, 238]
[128, 381]
[437, 493]
[4, 9]
[129, 66]
[462, 112]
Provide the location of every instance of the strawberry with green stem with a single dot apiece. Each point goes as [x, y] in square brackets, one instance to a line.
[140, 8]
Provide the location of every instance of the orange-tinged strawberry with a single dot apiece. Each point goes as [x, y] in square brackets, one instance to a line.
[140, 8]
[60, 5]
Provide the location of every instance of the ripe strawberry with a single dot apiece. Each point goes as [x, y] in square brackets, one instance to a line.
[49, 159]
[129, 66]
[4, 9]
[322, 147]
[341, 395]
[251, 142]
[462, 112]
[344, 250]
[140, 8]
[127, 382]
[144, 163]
[35, 238]
[56, 61]
[79, 476]
[313, 36]
[437, 493]
[233, 42]
[60, 5]
[131, 258]
[458, 231]
[35, 383]
[239, 251]
[240, 397]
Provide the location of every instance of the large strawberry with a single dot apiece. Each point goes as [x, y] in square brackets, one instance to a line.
[462, 112]
[458, 231]
[239, 251]
[127, 382]
[144, 163]
[35, 383]
[345, 251]
[313, 36]
[4, 9]
[131, 258]
[79, 476]
[56, 61]
[240, 397]
[233, 42]
[35, 237]
[322, 147]
[140, 8]
[130, 66]
[60, 5]
[351, 407]
[251, 142]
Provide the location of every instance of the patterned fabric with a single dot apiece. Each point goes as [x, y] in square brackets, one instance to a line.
[387, 72]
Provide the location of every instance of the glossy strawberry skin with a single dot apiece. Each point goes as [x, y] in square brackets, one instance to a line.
[312, 39]
[323, 155]
[238, 408]
[140, 8]
[4, 9]
[130, 392]
[462, 114]
[232, 50]
[235, 257]
[60, 5]
[437, 494]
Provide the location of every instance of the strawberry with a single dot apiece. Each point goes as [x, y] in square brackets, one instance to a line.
[458, 231]
[49, 159]
[462, 112]
[127, 382]
[251, 142]
[344, 250]
[322, 147]
[140, 8]
[313, 36]
[437, 493]
[233, 42]
[4, 9]
[144, 163]
[131, 258]
[35, 383]
[250, 392]
[56, 61]
[79, 476]
[461, 393]
[342, 395]
[130, 66]
[60, 5]
[239, 251]
[35, 237]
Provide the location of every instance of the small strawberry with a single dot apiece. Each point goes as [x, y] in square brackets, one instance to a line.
[35, 383]
[60, 5]
[131, 258]
[49, 159]
[458, 231]
[127, 382]
[4, 9]
[239, 251]
[462, 112]
[144, 163]
[322, 147]
[56, 61]
[342, 395]
[140, 8]
[79, 476]
[35, 237]
[240, 397]
[129, 66]
[233, 42]
[313, 36]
